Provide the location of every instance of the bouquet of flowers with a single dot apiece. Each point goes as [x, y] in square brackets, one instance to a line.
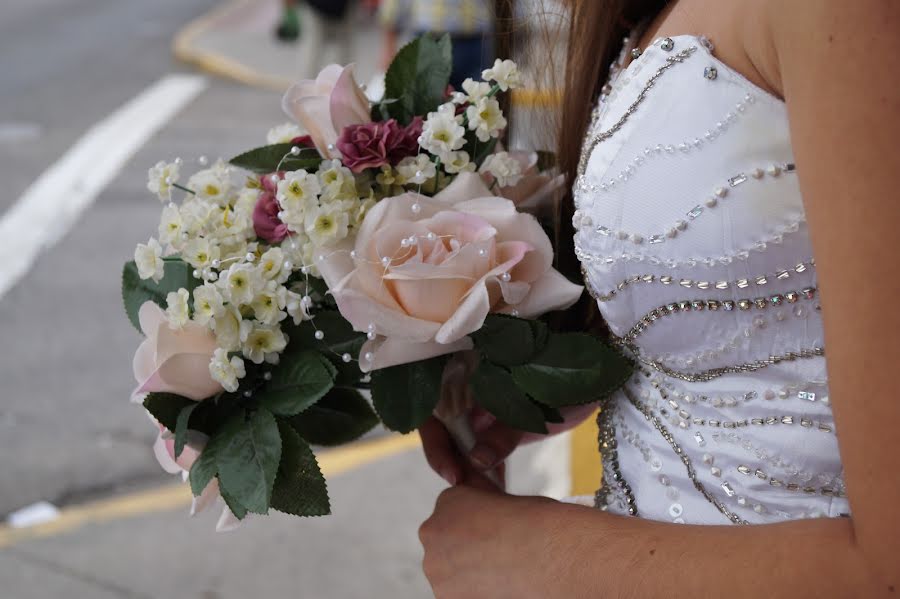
[374, 246]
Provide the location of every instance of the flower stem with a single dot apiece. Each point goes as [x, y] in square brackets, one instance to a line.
[182, 188]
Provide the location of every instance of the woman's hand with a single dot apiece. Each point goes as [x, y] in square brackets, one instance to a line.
[494, 442]
[481, 543]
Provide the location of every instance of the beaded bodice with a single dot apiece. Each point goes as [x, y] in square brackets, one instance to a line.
[690, 228]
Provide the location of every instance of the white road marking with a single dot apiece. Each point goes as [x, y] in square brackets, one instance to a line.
[51, 206]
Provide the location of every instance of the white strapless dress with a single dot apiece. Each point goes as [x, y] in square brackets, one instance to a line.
[691, 231]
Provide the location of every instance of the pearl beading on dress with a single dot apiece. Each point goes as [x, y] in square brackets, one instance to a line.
[583, 221]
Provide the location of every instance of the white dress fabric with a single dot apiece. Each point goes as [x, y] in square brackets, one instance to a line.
[691, 231]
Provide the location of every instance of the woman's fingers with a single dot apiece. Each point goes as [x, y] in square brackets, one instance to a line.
[440, 451]
[493, 445]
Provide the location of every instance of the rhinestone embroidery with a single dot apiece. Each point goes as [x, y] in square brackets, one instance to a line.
[781, 274]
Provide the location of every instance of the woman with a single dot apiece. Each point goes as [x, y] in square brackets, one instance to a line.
[740, 188]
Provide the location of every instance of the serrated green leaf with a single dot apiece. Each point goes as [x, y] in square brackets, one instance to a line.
[277, 157]
[166, 407]
[204, 469]
[541, 333]
[495, 390]
[405, 395]
[343, 415]
[505, 340]
[135, 291]
[300, 488]
[181, 427]
[248, 450]
[573, 369]
[418, 76]
[300, 380]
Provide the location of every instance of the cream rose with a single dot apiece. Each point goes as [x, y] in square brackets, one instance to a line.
[423, 273]
[173, 361]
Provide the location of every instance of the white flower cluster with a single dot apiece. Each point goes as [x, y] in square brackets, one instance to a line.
[243, 298]
[320, 208]
[444, 131]
[505, 169]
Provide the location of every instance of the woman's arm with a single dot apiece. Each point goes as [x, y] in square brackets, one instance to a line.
[838, 65]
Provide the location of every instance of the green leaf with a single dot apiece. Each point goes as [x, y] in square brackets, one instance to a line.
[248, 449]
[177, 274]
[166, 407]
[300, 488]
[496, 391]
[550, 414]
[573, 369]
[418, 76]
[340, 338]
[181, 427]
[299, 381]
[204, 469]
[405, 395]
[505, 340]
[277, 157]
[343, 415]
[541, 333]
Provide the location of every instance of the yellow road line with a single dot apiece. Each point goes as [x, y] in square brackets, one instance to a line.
[212, 62]
[170, 497]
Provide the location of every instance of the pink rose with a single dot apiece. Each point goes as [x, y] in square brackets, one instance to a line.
[371, 145]
[327, 105]
[448, 266]
[265, 214]
[173, 361]
[164, 451]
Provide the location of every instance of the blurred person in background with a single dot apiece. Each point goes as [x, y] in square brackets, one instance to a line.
[469, 23]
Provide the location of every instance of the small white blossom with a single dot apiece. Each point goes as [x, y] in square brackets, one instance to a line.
[230, 328]
[199, 253]
[208, 303]
[505, 73]
[358, 214]
[227, 371]
[296, 307]
[298, 190]
[268, 305]
[283, 133]
[416, 170]
[264, 343]
[336, 180]
[457, 162]
[505, 169]
[148, 259]
[442, 133]
[177, 311]
[160, 179]
[195, 216]
[486, 119]
[271, 265]
[475, 90]
[211, 184]
[170, 225]
[240, 283]
[327, 225]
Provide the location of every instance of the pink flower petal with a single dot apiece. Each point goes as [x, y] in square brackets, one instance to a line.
[348, 104]
[551, 292]
[206, 498]
[162, 456]
[468, 318]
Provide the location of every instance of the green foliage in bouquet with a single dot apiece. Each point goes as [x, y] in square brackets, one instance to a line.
[416, 81]
[524, 374]
[260, 435]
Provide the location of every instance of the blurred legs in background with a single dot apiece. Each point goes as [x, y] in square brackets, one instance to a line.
[326, 35]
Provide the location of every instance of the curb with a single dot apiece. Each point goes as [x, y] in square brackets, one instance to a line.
[211, 62]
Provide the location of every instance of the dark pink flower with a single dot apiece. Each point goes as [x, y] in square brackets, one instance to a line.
[265, 214]
[371, 145]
